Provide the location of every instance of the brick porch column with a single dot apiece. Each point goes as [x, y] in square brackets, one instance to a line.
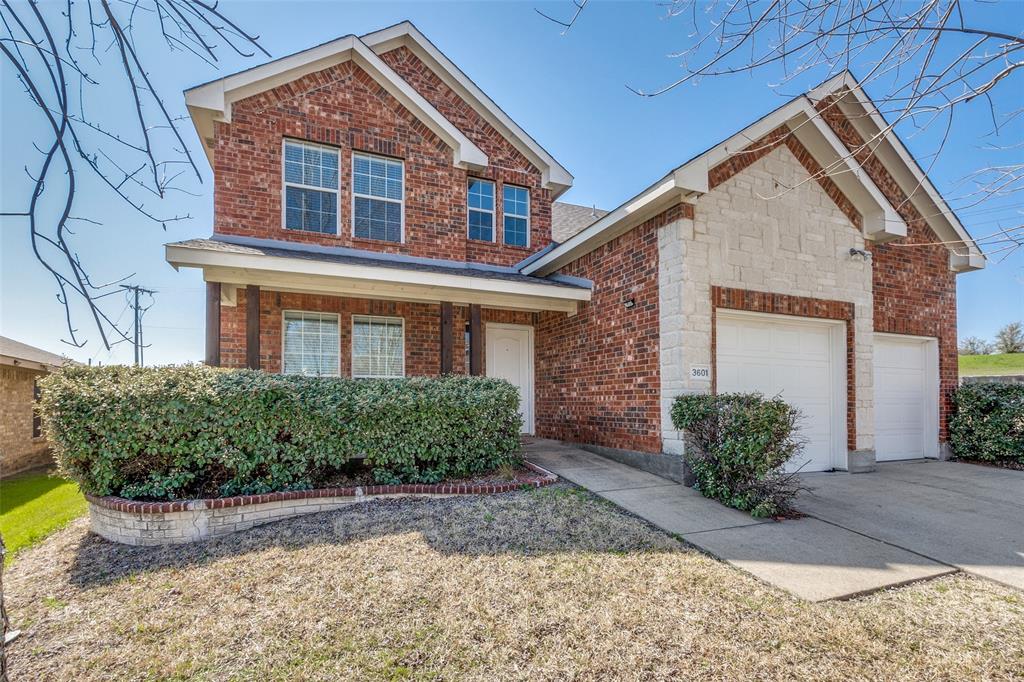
[447, 341]
[476, 339]
[213, 324]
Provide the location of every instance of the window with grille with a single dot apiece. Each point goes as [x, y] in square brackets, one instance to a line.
[515, 206]
[377, 197]
[378, 347]
[310, 187]
[311, 344]
[481, 209]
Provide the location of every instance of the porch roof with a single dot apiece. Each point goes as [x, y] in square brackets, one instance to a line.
[343, 271]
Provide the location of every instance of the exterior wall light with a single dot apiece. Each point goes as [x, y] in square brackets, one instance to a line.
[629, 303]
[862, 255]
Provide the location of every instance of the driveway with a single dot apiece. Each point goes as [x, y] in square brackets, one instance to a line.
[962, 515]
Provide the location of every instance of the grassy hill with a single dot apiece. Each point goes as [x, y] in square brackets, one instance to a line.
[989, 365]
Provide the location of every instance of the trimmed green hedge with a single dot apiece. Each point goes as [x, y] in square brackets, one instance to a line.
[988, 422]
[737, 444]
[195, 431]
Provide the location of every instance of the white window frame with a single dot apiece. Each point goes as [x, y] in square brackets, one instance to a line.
[400, 202]
[515, 215]
[284, 315]
[352, 343]
[493, 211]
[285, 185]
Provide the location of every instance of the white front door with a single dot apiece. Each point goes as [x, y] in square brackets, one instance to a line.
[906, 397]
[510, 357]
[800, 360]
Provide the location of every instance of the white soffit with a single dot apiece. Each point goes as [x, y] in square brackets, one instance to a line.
[555, 176]
[912, 180]
[212, 101]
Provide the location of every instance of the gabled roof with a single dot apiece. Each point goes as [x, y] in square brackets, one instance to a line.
[690, 180]
[569, 219]
[212, 101]
[23, 355]
[555, 176]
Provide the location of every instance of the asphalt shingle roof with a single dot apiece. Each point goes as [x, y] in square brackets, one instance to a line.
[569, 219]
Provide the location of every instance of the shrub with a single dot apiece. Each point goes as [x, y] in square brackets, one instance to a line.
[737, 446]
[988, 422]
[194, 431]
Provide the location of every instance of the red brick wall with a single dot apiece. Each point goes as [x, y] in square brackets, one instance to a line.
[914, 289]
[345, 108]
[598, 374]
[802, 306]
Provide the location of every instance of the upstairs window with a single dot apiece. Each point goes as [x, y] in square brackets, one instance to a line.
[377, 198]
[515, 206]
[378, 347]
[311, 344]
[310, 187]
[481, 210]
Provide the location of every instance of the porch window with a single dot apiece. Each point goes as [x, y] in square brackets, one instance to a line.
[311, 344]
[481, 209]
[377, 197]
[310, 187]
[516, 208]
[378, 346]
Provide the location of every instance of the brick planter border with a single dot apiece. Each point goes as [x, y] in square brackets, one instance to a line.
[162, 523]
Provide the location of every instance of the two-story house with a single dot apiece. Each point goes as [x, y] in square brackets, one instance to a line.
[377, 215]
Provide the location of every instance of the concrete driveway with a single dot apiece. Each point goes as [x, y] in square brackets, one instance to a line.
[962, 515]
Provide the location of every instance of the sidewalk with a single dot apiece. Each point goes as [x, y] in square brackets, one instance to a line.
[809, 558]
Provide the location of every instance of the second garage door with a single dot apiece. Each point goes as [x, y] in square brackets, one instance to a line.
[802, 361]
[906, 397]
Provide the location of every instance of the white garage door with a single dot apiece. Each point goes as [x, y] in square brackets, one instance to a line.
[906, 397]
[794, 358]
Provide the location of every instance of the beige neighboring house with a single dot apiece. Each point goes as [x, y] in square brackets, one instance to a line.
[22, 445]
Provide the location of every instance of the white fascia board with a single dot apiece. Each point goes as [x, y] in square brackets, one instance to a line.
[555, 176]
[183, 256]
[218, 96]
[647, 204]
[897, 159]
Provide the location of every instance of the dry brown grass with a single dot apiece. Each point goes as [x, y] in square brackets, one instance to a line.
[542, 585]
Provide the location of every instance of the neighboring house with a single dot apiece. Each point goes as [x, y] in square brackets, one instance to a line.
[376, 214]
[22, 444]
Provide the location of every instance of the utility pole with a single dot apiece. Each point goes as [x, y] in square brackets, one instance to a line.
[133, 291]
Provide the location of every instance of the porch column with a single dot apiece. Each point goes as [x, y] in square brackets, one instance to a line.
[447, 342]
[252, 327]
[476, 339]
[213, 324]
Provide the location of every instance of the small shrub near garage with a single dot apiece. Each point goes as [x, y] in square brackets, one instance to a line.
[988, 422]
[195, 431]
[737, 444]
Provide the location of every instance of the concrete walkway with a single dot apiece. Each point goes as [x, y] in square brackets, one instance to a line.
[809, 557]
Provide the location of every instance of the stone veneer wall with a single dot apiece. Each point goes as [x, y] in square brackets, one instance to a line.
[18, 449]
[174, 523]
[750, 232]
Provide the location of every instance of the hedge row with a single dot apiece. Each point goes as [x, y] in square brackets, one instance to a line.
[195, 431]
[988, 422]
[737, 446]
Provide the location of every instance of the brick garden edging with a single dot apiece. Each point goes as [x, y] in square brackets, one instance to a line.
[169, 523]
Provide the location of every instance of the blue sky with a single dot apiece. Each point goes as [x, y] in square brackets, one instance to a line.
[567, 91]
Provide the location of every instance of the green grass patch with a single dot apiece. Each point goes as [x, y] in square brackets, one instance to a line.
[32, 507]
[991, 365]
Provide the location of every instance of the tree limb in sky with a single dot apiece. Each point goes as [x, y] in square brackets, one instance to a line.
[923, 62]
[78, 62]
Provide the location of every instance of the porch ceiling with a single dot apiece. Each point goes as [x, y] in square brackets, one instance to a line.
[348, 272]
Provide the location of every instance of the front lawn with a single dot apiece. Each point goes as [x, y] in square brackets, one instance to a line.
[548, 584]
[991, 365]
[35, 505]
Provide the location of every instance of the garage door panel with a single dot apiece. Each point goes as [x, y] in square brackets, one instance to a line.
[904, 424]
[789, 359]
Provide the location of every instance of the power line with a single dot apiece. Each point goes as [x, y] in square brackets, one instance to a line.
[133, 291]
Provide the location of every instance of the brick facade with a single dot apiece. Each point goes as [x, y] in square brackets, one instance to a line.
[343, 107]
[19, 450]
[598, 371]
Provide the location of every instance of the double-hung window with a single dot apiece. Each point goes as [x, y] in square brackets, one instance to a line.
[481, 209]
[515, 206]
[378, 346]
[377, 196]
[311, 344]
[310, 187]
